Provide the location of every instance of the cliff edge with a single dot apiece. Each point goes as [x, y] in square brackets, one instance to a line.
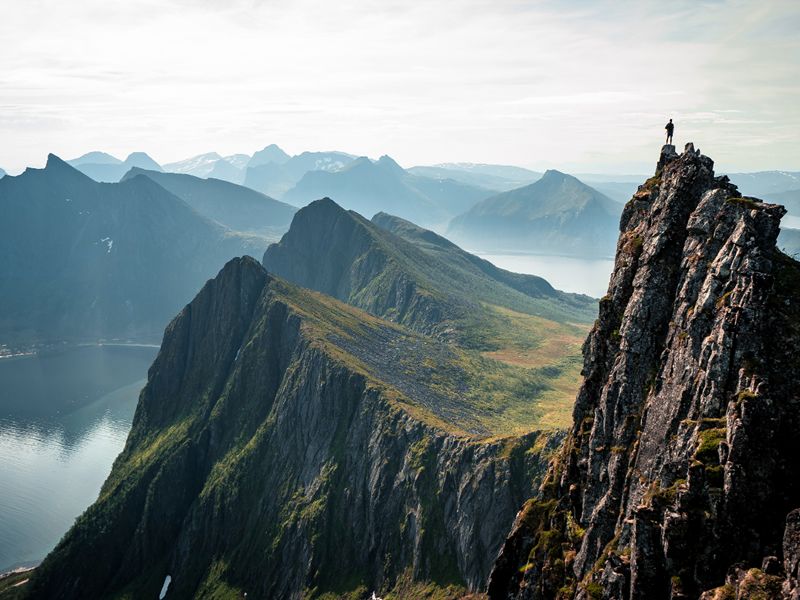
[681, 466]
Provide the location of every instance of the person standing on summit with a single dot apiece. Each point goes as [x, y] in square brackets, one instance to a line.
[670, 128]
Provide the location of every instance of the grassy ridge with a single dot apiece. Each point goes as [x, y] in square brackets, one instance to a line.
[528, 383]
[515, 342]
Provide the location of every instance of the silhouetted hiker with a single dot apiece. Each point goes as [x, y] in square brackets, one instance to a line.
[670, 128]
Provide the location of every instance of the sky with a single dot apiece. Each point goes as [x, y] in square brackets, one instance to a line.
[575, 85]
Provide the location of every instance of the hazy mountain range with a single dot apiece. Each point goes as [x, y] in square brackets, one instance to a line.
[82, 260]
[472, 202]
[277, 178]
[231, 205]
[499, 178]
[211, 164]
[369, 187]
[106, 168]
[557, 214]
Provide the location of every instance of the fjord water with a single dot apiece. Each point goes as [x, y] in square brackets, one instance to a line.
[64, 417]
[570, 274]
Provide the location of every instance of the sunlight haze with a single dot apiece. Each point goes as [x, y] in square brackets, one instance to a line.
[581, 86]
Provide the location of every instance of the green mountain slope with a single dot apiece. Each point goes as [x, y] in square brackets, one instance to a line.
[237, 207]
[422, 281]
[288, 445]
[81, 260]
[433, 287]
[556, 215]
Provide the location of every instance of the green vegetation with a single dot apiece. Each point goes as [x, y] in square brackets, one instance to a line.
[406, 588]
[745, 201]
[506, 392]
[757, 585]
[708, 445]
[593, 590]
[515, 343]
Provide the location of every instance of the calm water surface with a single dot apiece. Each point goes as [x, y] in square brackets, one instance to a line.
[64, 418]
[580, 275]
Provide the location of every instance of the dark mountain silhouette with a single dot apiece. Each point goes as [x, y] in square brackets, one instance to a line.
[81, 260]
[556, 215]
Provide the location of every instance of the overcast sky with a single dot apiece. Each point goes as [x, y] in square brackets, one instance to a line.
[575, 85]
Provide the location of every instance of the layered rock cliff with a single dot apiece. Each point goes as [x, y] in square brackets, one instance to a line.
[287, 445]
[682, 462]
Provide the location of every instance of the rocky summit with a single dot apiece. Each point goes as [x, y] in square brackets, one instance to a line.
[680, 476]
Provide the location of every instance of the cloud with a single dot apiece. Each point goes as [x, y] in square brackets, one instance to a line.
[541, 83]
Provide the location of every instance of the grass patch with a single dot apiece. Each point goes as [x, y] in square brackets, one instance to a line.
[708, 445]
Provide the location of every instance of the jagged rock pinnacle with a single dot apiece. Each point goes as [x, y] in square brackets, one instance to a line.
[682, 462]
[668, 154]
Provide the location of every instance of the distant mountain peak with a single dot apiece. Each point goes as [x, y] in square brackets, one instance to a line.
[96, 158]
[270, 154]
[138, 156]
[57, 164]
[143, 160]
[387, 162]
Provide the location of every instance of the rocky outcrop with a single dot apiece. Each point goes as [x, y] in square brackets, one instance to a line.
[681, 465]
[272, 454]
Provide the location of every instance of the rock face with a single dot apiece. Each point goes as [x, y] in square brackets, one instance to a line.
[682, 462]
[271, 453]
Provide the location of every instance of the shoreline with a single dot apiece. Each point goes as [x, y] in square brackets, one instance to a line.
[44, 349]
[19, 570]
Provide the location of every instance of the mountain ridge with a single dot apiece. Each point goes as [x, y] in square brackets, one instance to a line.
[370, 492]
